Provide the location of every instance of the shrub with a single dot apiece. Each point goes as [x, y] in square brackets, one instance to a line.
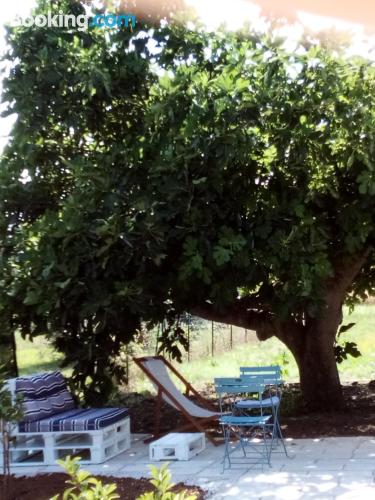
[161, 479]
[83, 486]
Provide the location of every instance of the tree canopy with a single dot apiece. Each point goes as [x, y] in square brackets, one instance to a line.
[171, 169]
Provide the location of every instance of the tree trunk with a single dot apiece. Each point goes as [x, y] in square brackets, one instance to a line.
[311, 340]
[319, 377]
[8, 357]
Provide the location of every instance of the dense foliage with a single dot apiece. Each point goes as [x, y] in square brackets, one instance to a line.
[170, 169]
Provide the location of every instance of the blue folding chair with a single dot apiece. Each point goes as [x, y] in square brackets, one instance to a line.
[270, 376]
[243, 427]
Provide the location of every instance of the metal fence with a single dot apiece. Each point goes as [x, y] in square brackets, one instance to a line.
[215, 338]
[205, 339]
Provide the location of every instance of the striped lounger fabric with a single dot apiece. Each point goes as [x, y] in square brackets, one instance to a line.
[76, 420]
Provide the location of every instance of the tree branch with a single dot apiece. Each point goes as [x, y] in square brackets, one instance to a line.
[347, 268]
[241, 315]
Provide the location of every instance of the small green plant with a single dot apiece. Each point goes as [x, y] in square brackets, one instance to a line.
[10, 414]
[83, 486]
[283, 361]
[161, 479]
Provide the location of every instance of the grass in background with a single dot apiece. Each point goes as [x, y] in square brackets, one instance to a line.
[38, 355]
[363, 333]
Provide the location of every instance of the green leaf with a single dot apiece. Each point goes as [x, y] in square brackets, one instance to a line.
[345, 328]
[196, 182]
[222, 255]
[63, 284]
[32, 298]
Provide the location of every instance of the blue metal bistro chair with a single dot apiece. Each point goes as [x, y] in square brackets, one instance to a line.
[242, 427]
[270, 400]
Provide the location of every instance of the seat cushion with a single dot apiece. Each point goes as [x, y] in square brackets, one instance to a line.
[44, 395]
[76, 420]
[257, 403]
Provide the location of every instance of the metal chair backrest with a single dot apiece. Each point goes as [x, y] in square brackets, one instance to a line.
[261, 370]
[233, 386]
[270, 376]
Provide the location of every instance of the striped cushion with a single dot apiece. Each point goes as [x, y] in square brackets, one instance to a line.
[44, 395]
[76, 420]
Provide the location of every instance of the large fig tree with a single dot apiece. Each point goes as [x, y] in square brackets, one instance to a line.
[174, 170]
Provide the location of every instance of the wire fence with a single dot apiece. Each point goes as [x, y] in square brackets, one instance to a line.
[214, 339]
[205, 339]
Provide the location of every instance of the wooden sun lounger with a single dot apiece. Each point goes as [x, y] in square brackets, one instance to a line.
[197, 417]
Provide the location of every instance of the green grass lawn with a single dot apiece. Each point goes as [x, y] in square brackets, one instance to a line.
[38, 355]
[363, 333]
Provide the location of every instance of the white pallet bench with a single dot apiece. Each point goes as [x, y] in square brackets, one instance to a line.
[178, 446]
[94, 447]
[44, 448]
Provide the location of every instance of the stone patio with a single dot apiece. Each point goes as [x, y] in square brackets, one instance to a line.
[329, 468]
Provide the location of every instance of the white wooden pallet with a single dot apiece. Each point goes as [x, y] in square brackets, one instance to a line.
[44, 448]
[94, 447]
[178, 446]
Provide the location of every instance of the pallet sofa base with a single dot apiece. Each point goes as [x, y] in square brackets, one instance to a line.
[43, 441]
[94, 447]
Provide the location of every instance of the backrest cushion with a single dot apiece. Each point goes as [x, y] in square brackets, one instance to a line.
[44, 395]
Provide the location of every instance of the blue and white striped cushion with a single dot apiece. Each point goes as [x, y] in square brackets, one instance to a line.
[41, 386]
[44, 395]
[76, 420]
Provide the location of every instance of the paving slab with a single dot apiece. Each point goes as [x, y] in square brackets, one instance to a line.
[325, 469]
